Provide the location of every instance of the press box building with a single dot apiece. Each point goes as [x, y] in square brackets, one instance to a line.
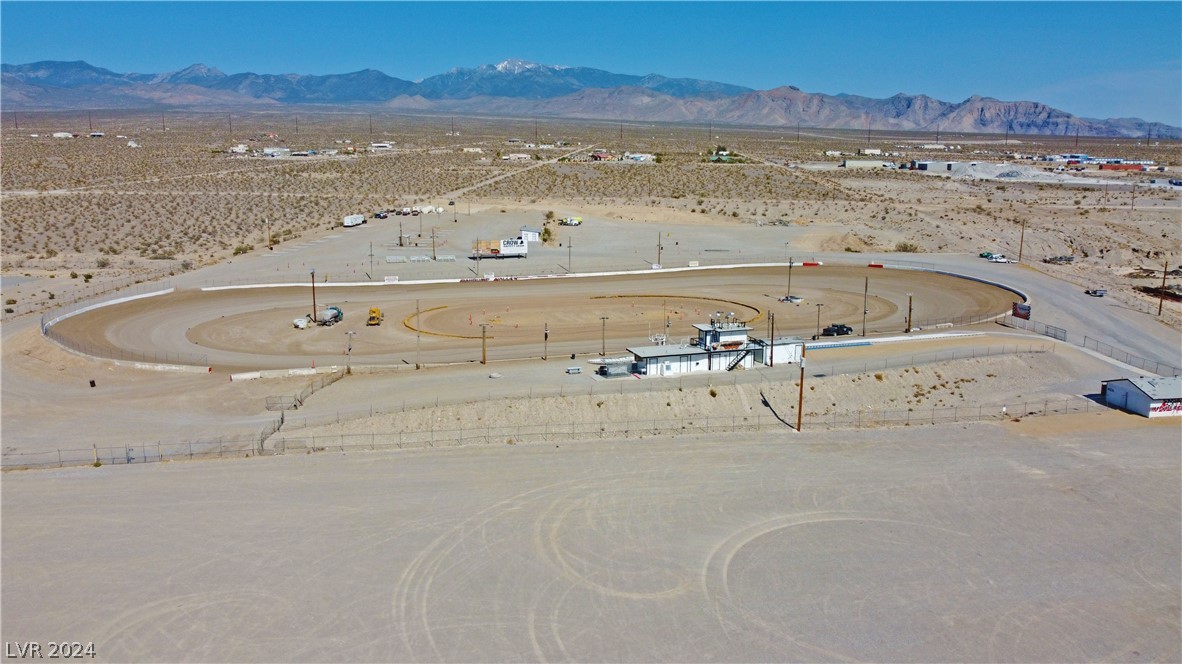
[723, 344]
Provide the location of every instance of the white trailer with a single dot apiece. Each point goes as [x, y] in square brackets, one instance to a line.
[353, 220]
[514, 248]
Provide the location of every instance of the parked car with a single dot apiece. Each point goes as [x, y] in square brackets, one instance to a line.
[380, 215]
[837, 330]
[1001, 259]
[1097, 292]
[792, 299]
[986, 254]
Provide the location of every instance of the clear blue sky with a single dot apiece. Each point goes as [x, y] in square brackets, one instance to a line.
[1094, 59]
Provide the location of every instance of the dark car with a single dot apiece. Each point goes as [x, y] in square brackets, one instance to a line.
[380, 215]
[837, 330]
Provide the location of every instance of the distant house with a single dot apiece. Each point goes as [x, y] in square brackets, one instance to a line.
[516, 156]
[62, 134]
[97, 134]
[474, 150]
[531, 234]
[833, 153]
[1151, 397]
[869, 151]
[602, 156]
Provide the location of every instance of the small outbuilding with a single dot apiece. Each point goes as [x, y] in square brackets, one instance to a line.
[1150, 397]
[531, 234]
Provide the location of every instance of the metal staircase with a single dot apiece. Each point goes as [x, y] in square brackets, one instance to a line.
[738, 359]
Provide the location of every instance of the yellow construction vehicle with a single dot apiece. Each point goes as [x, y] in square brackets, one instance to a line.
[375, 316]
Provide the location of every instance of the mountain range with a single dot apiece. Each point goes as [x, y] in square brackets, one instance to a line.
[519, 88]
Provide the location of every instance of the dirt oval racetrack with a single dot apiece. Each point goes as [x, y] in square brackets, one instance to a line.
[440, 323]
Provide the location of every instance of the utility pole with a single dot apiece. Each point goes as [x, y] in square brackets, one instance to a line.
[771, 319]
[371, 260]
[1161, 294]
[603, 337]
[432, 244]
[400, 235]
[313, 295]
[484, 343]
[865, 309]
[800, 399]
[658, 247]
[1022, 240]
[818, 335]
[569, 245]
[349, 352]
[789, 277]
[545, 340]
[230, 122]
[908, 330]
[89, 122]
[418, 336]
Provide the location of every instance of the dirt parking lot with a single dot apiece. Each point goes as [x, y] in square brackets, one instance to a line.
[958, 543]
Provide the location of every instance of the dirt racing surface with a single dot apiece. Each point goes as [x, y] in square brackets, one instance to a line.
[440, 323]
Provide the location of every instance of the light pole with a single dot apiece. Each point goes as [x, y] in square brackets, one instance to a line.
[484, 343]
[818, 335]
[603, 337]
[349, 352]
[313, 295]
[545, 340]
[800, 399]
[865, 309]
[789, 277]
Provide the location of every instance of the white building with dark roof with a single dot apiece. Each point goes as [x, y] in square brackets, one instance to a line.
[1151, 397]
[723, 344]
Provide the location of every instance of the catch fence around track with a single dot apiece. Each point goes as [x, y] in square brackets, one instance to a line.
[50, 318]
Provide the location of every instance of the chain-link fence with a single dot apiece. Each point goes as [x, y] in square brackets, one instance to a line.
[246, 446]
[1115, 353]
[817, 368]
[1153, 366]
